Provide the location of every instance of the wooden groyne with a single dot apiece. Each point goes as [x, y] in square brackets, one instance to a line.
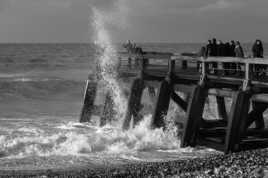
[198, 78]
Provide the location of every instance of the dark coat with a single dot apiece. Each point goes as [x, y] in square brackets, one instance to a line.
[239, 51]
[257, 51]
[209, 50]
[232, 50]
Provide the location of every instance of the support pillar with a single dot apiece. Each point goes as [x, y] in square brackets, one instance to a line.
[134, 103]
[108, 110]
[194, 116]
[89, 98]
[162, 104]
[237, 121]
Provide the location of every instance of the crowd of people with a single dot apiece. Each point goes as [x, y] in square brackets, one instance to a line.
[217, 48]
[230, 49]
[132, 47]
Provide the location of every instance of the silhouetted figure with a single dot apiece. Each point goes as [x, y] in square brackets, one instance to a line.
[227, 49]
[214, 48]
[128, 46]
[209, 48]
[232, 49]
[202, 52]
[227, 53]
[220, 49]
[257, 49]
[240, 54]
[239, 50]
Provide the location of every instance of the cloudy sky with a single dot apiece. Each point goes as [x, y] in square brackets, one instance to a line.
[139, 20]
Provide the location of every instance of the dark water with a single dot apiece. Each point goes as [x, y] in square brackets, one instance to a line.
[41, 92]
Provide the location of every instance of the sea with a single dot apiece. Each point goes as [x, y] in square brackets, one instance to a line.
[41, 96]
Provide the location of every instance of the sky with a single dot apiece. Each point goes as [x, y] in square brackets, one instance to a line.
[51, 21]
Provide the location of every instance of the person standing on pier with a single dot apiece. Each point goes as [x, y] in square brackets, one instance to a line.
[227, 53]
[221, 49]
[209, 48]
[214, 49]
[239, 50]
[232, 50]
[257, 51]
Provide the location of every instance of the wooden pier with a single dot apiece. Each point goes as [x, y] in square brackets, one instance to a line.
[198, 78]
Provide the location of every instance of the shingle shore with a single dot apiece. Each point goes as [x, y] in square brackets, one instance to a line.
[243, 164]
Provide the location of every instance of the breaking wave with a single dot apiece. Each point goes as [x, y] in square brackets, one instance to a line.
[78, 139]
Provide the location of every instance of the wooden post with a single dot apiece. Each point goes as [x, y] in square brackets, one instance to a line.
[194, 116]
[108, 110]
[89, 97]
[134, 103]
[162, 104]
[222, 114]
[237, 121]
[163, 98]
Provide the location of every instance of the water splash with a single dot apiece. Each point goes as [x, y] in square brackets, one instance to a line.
[108, 62]
[78, 139]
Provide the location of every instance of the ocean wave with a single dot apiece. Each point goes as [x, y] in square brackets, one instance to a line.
[84, 140]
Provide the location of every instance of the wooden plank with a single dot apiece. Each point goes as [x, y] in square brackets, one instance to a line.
[262, 133]
[221, 92]
[179, 101]
[194, 116]
[208, 124]
[214, 132]
[260, 98]
[184, 88]
[253, 144]
[211, 144]
[147, 54]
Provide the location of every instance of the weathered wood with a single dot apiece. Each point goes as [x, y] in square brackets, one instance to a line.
[194, 116]
[134, 103]
[253, 144]
[214, 132]
[213, 123]
[232, 134]
[221, 92]
[262, 98]
[237, 122]
[262, 133]
[256, 115]
[108, 110]
[89, 97]
[215, 144]
[179, 101]
[162, 104]
[221, 107]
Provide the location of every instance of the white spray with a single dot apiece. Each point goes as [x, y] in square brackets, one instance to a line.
[107, 63]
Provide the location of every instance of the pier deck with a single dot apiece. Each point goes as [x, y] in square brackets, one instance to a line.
[198, 77]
